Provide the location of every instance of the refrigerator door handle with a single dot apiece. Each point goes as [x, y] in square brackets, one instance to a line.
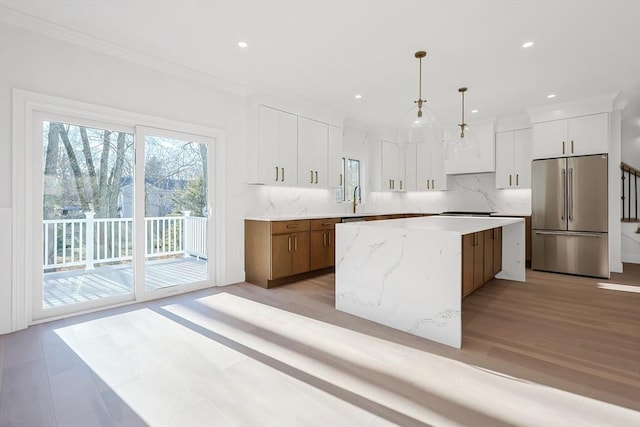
[570, 194]
[564, 193]
[572, 233]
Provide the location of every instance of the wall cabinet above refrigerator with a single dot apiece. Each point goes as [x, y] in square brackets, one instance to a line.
[576, 136]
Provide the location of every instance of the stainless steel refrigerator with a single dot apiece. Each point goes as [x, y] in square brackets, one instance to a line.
[569, 215]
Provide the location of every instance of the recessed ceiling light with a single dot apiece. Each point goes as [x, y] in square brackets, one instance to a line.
[358, 96]
[242, 44]
[551, 95]
[527, 44]
[474, 111]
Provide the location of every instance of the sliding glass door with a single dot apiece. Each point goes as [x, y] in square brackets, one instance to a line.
[122, 214]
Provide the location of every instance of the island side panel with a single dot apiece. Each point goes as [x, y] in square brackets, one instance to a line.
[403, 278]
[513, 252]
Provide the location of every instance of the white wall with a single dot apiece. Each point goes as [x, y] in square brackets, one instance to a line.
[630, 141]
[39, 64]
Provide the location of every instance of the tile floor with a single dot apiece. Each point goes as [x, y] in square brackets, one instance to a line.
[246, 356]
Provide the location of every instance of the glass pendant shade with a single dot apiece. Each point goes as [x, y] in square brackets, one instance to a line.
[425, 129]
[462, 148]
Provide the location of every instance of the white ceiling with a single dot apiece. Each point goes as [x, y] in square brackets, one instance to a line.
[330, 50]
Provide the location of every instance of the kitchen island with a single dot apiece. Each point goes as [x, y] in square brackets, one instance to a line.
[408, 273]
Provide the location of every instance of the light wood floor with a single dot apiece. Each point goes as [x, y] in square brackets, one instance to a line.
[555, 351]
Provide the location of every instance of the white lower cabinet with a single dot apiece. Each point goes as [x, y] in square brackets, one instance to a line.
[513, 159]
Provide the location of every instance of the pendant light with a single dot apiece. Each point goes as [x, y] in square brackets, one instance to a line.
[463, 144]
[419, 125]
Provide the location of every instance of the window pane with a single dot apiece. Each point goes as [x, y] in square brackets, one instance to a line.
[352, 178]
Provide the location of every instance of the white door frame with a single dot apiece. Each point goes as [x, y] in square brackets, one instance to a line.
[25, 145]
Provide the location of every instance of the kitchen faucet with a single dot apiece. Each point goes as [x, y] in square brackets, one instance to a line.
[355, 202]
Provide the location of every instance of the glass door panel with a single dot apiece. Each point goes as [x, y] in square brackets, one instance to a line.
[87, 226]
[176, 212]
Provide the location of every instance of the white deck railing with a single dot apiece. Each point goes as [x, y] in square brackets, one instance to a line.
[66, 241]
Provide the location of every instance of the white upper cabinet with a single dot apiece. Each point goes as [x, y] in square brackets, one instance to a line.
[571, 137]
[392, 167]
[424, 167]
[513, 159]
[484, 158]
[290, 150]
[334, 173]
[313, 146]
[273, 147]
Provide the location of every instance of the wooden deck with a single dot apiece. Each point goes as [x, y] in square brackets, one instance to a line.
[74, 286]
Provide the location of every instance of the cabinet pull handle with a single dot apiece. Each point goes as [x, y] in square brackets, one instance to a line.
[326, 223]
[393, 184]
[295, 243]
[401, 184]
[517, 179]
[572, 146]
[562, 147]
[329, 237]
[324, 239]
[293, 225]
[289, 243]
[276, 173]
[316, 177]
[433, 184]
[509, 180]
[311, 172]
[428, 185]
[282, 174]
[341, 180]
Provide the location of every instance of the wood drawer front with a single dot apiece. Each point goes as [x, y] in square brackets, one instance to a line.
[324, 223]
[282, 227]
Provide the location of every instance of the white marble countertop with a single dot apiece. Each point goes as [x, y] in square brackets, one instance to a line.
[459, 224]
[293, 217]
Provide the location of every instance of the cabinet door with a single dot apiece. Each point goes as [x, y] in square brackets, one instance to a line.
[312, 153]
[288, 148]
[424, 176]
[334, 172]
[281, 253]
[521, 159]
[504, 159]
[322, 249]
[478, 260]
[589, 135]
[467, 263]
[268, 136]
[487, 268]
[300, 249]
[390, 169]
[497, 250]
[550, 139]
[410, 167]
[438, 177]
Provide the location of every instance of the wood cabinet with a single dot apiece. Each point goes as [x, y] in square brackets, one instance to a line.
[576, 136]
[392, 167]
[481, 258]
[275, 250]
[323, 243]
[424, 167]
[313, 148]
[273, 147]
[513, 159]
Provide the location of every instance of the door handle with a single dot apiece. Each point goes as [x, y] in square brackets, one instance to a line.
[570, 194]
[276, 173]
[564, 193]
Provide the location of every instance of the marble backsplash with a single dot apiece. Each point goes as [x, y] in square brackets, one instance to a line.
[474, 192]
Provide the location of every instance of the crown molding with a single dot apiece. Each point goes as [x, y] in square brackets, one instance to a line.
[22, 20]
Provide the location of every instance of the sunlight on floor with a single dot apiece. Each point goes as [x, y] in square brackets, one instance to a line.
[240, 362]
[619, 287]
